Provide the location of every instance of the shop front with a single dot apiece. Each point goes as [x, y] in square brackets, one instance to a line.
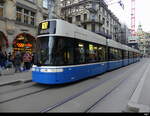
[24, 42]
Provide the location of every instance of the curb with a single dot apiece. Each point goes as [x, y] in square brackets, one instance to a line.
[15, 81]
[133, 105]
[9, 83]
[25, 81]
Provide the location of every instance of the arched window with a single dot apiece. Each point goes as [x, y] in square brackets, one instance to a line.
[24, 42]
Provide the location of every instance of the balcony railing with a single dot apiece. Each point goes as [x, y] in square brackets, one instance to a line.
[92, 21]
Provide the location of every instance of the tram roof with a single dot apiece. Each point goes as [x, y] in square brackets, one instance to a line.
[65, 29]
[112, 43]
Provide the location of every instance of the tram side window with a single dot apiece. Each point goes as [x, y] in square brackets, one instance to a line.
[125, 53]
[112, 56]
[69, 51]
[64, 51]
[92, 53]
[58, 53]
[116, 54]
[119, 54]
[96, 53]
[79, 52]
[101, 53]
[135, 55]
[43, 52]
[130, 55]
[138, 55]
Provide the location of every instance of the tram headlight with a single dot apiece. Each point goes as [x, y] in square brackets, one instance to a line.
[43, 70]
[51, 70]
[33, 69]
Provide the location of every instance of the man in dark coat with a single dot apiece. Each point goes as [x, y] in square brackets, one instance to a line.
[2, 61]
[17, 61]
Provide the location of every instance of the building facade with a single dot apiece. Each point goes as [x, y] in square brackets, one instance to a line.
[92, 15]
[125, 33]
[19, 20]
[143, 41]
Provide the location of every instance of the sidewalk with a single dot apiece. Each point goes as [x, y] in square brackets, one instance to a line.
[140, 100]
[16, 77]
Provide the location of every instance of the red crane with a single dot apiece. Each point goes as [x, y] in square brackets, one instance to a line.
[133, 18]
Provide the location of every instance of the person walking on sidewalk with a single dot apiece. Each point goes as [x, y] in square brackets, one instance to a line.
[2, 61]
[17, 61]
[9, 62]
[27, 59]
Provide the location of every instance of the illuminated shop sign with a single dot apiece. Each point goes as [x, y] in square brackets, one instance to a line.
[22, 45]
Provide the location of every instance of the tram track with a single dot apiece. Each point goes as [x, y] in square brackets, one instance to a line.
[15, 87]
[60, 104]
[53, 107]
[52, 97]
[21, 92]
[89, 109]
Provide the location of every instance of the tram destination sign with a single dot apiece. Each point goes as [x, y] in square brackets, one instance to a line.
[47, 27]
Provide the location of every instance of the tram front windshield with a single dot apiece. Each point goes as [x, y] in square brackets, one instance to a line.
[50, 51]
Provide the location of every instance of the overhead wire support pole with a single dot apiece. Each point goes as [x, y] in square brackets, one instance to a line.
[50, 8]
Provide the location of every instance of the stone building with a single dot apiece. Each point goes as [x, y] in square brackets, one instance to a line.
[143, 41]
[19, 20]
[125, 33]
[92, 15]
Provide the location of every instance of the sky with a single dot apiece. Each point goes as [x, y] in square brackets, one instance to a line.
[142, 12]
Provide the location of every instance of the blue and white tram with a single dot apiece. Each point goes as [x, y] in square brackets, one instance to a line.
[67, 53]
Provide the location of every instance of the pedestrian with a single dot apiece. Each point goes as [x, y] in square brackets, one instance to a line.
[5, 59]
[27, 59]
[17, 60]
[32, 61]
[2, 61]
[9, 63]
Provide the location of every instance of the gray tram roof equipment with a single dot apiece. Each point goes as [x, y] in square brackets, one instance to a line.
[65, 29]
